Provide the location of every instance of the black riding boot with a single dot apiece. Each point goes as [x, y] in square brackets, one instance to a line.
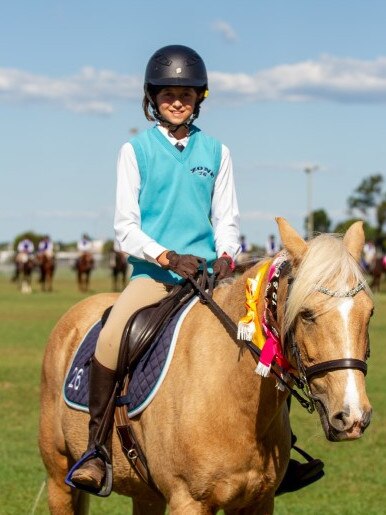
[102, 382]
[298, 475]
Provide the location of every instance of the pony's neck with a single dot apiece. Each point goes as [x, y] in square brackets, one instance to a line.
[253, 394]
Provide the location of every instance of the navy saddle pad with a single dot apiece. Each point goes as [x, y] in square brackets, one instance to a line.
[147, 376]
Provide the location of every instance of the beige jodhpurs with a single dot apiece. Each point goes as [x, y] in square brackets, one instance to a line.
[137, 294]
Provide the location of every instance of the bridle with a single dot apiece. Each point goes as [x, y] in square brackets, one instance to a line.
[204, 286]
[307, 373]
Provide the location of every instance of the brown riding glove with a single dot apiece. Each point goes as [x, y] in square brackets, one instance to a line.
[182, 264]
[223, 267]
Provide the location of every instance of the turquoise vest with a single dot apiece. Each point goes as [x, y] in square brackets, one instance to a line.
[176, 196]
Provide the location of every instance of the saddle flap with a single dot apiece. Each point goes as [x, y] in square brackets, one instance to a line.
[145, 323]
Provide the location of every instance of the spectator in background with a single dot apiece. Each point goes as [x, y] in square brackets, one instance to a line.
[244, 246]
[369, 256]
[271, 247]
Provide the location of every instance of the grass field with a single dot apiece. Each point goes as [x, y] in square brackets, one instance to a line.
[355, 471]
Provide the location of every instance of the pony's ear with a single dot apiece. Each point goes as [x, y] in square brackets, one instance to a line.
[291, 240]
[354, 240]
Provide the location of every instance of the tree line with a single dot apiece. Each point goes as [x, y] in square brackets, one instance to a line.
[367, 203]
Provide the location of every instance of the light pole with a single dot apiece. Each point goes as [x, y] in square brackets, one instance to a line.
[310, 217]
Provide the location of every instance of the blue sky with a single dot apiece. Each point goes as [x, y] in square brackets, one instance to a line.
[292, 84]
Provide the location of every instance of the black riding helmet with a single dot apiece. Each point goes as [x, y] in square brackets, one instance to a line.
[175, 65]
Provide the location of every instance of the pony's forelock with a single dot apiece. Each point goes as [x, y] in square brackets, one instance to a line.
[327, 263]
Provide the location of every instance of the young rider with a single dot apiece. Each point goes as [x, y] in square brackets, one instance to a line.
[175, 203]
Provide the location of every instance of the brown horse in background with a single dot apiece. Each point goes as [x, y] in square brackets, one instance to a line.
[119, 267]
[376, 272]
[84, 266]
[217, 435]
[47, 266]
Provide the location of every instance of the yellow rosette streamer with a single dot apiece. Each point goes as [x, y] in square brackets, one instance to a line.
[249, 327]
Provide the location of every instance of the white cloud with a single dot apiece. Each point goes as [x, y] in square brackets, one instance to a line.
[94, 91]
[329, 78]
[90, 91]
[225, 29]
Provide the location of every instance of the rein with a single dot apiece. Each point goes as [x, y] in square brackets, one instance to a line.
[204, 286]
[201, 285]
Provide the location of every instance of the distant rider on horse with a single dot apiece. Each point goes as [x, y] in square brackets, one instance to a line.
[46, 258]
[46, 247]
[25, 252]
[85, 248]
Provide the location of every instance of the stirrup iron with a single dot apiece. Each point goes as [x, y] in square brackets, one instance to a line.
[105, 489]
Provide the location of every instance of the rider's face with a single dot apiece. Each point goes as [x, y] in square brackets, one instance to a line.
[176, 103]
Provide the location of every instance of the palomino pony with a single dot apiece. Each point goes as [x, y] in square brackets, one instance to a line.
[217, 435]
[84, 266]
[47, 268]
[119, 266]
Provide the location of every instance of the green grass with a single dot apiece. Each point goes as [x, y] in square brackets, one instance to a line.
[355, 471]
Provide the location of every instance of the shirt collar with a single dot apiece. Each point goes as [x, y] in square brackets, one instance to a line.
[171, 138]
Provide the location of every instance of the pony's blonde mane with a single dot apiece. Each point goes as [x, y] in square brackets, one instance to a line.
[327, 263]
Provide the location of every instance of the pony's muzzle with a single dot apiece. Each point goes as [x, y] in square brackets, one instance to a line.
[348, 427]
[344, 424]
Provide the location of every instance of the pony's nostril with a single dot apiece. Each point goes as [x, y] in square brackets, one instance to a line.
[340, 420]
[366, 419]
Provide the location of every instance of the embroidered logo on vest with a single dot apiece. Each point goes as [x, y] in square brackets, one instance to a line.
[203, 171]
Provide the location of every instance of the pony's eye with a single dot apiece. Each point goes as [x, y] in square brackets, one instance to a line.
[307, 315]
[372, 312]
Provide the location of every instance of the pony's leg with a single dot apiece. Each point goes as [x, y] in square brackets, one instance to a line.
[181, 503]
[63, 500]
[264, 508]
[141, 507]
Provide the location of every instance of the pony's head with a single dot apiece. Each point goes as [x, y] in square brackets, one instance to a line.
[328, 306]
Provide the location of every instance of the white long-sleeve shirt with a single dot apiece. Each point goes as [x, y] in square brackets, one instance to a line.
[127, 222]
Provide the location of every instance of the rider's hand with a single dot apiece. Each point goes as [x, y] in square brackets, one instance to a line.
[182, 264]
[223, 267]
